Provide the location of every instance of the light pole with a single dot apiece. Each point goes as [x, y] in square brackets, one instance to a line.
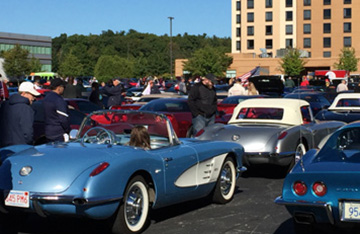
[171, 70]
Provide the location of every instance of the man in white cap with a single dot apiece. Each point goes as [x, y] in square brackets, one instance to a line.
[17, 117]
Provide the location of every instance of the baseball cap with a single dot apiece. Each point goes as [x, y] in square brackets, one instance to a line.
[57, 82]
[28, 87]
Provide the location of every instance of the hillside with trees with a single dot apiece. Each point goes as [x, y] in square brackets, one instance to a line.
[126, 54]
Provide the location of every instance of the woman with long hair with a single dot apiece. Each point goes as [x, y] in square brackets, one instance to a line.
[140, 137]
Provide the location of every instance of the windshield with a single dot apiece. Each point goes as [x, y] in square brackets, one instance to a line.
[342, 146]
[120, 124]
[167, 106]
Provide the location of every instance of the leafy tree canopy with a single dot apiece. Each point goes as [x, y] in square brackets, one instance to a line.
[16, 62]
[146, 54]
[292, 64]
[208, 60]
[347, 60]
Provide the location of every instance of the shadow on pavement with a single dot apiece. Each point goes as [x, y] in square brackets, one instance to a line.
[265, 171]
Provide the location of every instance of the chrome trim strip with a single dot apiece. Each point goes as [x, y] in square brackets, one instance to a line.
[63, 199]
[327, 206]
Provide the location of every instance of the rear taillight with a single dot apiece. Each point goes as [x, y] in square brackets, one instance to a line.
[300, 188]
[282, 135]
[99, 169]
[199, 133]
[319, 188]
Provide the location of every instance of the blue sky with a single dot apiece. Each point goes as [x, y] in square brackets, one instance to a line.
[54, 17]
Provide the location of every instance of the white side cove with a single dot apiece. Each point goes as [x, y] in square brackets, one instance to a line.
[202, 173]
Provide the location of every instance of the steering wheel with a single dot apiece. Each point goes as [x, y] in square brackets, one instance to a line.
[101, 136]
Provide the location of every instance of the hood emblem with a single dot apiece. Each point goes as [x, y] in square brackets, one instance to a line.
[20, 182]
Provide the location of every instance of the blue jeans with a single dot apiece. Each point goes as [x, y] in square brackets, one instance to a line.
[200, 122]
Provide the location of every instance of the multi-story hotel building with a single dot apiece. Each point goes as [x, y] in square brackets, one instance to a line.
[262, 29]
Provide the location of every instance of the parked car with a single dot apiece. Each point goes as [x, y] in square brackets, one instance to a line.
[83, 105]
[272, 130]
[323, 187]
[75, 118]
[99, 176]
[177, 110]
[345, 107]
[145, 99]
[317, 100]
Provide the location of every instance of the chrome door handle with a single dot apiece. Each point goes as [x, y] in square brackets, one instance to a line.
[168, 159]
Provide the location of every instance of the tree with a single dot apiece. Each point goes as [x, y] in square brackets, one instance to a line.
[16, 62]
[291, 63]
[347, 60]
[35, 65]
[208, 60]
[71, 66]
[108, 67]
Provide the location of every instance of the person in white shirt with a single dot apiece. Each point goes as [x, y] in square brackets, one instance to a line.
[237, 89]
[342, 87]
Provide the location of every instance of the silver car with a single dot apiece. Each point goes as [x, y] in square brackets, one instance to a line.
[272, 130]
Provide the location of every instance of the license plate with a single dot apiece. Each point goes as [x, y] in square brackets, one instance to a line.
[17, 199]
[351, 211]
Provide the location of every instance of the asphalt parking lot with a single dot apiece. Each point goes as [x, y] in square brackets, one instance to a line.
[251, 211]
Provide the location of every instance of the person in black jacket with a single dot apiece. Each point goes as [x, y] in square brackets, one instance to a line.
[17, 117]
[202, 101]
[57, 124]
[95, 96]
[114, 92]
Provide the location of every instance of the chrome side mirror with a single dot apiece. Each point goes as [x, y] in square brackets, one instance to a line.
[73, 134]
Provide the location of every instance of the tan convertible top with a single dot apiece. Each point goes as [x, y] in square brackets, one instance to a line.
[292, 110]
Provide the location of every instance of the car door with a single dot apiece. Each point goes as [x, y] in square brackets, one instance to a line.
[179, 161]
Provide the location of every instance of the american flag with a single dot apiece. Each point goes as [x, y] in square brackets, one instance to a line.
[245, 77]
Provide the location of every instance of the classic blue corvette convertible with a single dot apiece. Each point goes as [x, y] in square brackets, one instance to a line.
[99, 176]
[324, 187]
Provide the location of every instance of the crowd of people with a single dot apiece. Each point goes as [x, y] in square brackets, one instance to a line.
[17, 116]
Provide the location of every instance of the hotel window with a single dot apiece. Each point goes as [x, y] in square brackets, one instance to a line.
[307, 2]
[250, 4]
[268, 29]
[327, 13]
[268, 16]
[238, 45]
[347, 27]
[327, 2]
[250, 30]
[307, 28]
[327, 54]
[327, 28]
[250, 17]
[307, 14]
[327, 42]
[289, 29]
[347, 41]
[268, 3]
[250, 44]
[269, 43]
[347, 1]
[289, 43]
[347, 12]
[307, 42]
[238, 5]
[238, 18]
[289, 3]
[289, 16]
[238, 32]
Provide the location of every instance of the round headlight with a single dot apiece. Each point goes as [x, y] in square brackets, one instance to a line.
[235, 137]
[24, 171]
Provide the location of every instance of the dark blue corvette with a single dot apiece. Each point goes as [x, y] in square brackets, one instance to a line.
[324, 187]
[99, 176]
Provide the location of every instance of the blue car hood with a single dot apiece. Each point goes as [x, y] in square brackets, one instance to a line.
[54, 167]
